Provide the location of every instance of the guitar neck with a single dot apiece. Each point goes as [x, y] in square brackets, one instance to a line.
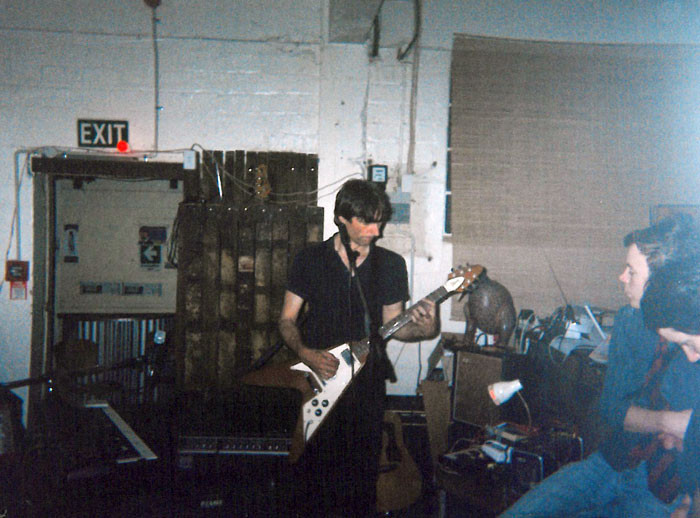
[391, 327]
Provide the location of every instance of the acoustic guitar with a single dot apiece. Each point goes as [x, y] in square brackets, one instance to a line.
[400, 483]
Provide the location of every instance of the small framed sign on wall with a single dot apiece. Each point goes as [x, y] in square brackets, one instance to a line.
[659, 212]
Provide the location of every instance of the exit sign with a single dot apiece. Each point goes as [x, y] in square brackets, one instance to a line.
[100, 133]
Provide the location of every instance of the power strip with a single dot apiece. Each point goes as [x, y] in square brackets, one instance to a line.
[497, 451]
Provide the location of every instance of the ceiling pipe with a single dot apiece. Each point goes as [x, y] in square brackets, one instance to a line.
[375, 37]
[376, 32]
[416, 30]
[153, 4]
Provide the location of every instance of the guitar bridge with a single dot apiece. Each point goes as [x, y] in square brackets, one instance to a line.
[313, 381]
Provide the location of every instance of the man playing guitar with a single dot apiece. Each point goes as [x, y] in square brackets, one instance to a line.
[349, 287]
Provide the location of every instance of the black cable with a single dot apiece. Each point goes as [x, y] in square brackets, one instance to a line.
[365, 307]
[156, 75]
[416, 30]
[173, 241]
[352, 259]
[376, 348]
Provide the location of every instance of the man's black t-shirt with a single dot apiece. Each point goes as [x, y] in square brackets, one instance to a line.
[337, 475]
[319, 276]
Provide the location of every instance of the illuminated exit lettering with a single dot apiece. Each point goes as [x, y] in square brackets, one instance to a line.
[100, 133]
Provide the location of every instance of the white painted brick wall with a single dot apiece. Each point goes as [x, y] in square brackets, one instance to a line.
[251, 74]
[255, 20]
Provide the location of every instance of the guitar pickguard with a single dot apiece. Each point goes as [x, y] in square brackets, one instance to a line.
[315, 410]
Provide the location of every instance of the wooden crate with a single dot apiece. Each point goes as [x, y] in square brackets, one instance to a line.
[244, 216]
[241, 176]
[232, 270]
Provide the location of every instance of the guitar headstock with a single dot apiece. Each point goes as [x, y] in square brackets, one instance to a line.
[462, 277]
[262, 183]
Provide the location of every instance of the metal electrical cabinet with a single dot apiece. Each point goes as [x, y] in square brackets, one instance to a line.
[112, 242]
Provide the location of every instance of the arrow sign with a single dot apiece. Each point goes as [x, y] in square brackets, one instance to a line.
[150, 254]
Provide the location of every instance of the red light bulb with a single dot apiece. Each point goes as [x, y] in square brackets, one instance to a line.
[123, 146]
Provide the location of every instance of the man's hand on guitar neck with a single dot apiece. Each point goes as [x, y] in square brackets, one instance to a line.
[424, 316]
[424, 322]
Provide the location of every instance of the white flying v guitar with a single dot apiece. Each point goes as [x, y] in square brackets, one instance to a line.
[320, 396]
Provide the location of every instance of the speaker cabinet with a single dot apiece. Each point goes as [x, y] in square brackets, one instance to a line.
[232, 486]
[471, 403]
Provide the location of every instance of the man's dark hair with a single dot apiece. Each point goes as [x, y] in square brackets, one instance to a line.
[672, 297]
[669, 239]
[364, 200]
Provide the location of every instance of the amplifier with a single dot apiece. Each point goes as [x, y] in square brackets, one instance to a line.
[474, 372]
[235, 485]
[206, 444]
[232, 452]
[247, 421]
